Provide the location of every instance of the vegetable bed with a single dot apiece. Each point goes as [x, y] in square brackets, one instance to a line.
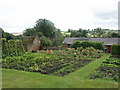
[46, 63]
[109, 70]
[57, 62]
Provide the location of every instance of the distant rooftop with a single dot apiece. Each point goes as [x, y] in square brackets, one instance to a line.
[107, 41]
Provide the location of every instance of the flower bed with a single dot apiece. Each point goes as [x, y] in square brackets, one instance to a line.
[88, 52]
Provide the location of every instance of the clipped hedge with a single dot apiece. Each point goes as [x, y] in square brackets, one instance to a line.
[84, 44]
[12, 48]
[116, 49]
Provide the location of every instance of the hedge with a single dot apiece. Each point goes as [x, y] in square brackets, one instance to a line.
[116, 49]
[12, 48]
[84, 44]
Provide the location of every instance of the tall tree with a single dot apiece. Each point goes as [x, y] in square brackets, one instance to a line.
[29, 32]
[47, 32]
[46, 27]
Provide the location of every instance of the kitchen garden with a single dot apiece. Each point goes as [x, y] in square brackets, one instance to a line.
[61, 62]
[55, 62]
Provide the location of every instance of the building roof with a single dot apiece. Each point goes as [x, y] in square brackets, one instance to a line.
[107, 41]
[28, 39]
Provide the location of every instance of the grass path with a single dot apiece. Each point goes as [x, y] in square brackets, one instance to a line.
[77, 79]
[85, 71]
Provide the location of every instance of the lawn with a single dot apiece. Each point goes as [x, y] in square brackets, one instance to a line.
[78, 79]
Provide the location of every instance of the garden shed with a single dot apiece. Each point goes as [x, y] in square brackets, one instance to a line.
[31, 43]
[108, 42]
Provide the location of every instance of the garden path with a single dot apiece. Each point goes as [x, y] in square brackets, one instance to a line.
[85, 71]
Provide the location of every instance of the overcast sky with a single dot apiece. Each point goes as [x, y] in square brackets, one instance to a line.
[17, 15]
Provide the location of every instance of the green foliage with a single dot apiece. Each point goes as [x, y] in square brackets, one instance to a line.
[116, 49]
[55, 62]
[30, 32]
[115, 61]
[79, 48]
[45, 63]
[92, 52]
[58, 40]
[6, 35]
[46, 30]
[96, 33]
[78, 33]
[84, 44]
[46, 27]
[72, 67]
[108, 70]
[44, 41]
[12, 48]
[99, 32]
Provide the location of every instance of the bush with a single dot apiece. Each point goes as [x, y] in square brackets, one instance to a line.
[116, 49]
[84, 44]
[45, 41]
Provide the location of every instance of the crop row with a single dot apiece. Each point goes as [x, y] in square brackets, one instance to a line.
[109, 70]
[72, 67]
[44, 63]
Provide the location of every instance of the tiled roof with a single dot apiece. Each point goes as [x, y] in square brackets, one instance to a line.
[28, 39]
[107, 41]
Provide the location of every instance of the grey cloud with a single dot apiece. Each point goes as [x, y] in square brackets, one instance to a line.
[106, 14]
[106, 17]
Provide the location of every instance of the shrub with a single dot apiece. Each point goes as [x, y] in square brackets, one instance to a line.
[45, 41]
[84, 44]
[116, 49]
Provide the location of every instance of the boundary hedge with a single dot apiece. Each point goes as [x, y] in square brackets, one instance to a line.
[84, 44]
[12, 48]
[116, 49]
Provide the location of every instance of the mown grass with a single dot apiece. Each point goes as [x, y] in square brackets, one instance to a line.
[85, 71]
[77, 79]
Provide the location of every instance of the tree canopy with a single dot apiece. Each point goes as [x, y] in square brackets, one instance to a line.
[96, 33]
[47, 32]
[6, 35]
[46, 27]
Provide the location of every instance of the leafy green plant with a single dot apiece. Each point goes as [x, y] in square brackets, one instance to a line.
[45, 63]
[109, 70]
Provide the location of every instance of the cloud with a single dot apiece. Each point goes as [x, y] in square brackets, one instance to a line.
[106, 18]
[107, 14]
[17, 15]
